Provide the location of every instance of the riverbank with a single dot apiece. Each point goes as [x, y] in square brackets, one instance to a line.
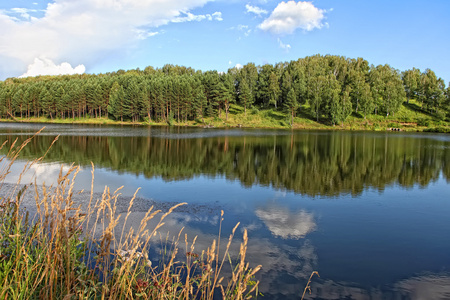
[409, 118]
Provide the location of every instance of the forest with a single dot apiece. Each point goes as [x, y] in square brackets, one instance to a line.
[330, 87]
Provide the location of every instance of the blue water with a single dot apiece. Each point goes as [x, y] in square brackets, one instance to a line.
[382, 243]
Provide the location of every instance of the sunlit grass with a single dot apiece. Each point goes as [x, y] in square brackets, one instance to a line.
[410, 117]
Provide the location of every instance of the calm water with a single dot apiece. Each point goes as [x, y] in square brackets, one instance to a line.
[368, 211]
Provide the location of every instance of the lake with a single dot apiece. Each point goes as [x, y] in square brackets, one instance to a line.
[368, 210]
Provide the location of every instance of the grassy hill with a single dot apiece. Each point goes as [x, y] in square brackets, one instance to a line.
[411, 117]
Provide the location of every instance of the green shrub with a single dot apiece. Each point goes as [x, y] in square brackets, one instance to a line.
[424, 122]
[254, 110]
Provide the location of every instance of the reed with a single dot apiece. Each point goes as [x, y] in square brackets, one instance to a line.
[72, 251]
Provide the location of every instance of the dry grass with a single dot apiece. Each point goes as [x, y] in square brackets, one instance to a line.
[67, 251]
[308, 284]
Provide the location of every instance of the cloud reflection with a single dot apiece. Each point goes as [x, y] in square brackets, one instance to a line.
[287, 224]
[25, 172]
[431, 286]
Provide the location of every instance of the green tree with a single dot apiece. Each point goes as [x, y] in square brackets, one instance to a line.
[431, 91]
[345, 105]
[245, 95]
[250, 73]
[199, 102]
[333, 102]
[46, 99]
[116, 101]
[411, 80]
[387, 89]
[365, 97]
[17, 102]
[134, 98]
[286, 85]
[187, 97]
[297, 71]
[262, 87]
[273, 89]
[316, 87]
[291, 104]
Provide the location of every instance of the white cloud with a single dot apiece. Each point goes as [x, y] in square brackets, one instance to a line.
[237, 66]
[256, 10]
[242, 28]
[44, 66]
[286, 47]
[217, 16]
[23, 12]
[191, 17]
[86, 31]
[143, 34]
[291, 15]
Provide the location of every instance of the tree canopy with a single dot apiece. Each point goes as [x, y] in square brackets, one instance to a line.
[331, 87]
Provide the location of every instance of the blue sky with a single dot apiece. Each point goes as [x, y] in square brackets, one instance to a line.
[98, 36]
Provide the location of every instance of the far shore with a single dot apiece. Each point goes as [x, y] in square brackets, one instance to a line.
[372, 124]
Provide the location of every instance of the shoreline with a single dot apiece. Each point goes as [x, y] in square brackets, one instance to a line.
[360, 125]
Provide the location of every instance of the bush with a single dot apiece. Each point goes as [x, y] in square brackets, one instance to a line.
[438, 129]
[170, 119]
[424, 122]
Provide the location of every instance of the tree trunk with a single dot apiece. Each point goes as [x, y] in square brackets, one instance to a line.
[227, 106]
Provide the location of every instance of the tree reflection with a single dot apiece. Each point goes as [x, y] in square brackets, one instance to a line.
[313, 164]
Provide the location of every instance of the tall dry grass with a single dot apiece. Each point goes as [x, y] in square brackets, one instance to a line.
[73, 251]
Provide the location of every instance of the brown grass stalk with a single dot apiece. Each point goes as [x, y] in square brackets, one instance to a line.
[72, 250]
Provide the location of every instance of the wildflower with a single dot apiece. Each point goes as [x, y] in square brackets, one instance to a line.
[141, 284]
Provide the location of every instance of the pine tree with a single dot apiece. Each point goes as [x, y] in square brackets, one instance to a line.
[245, 95]
[199, 102]
[116, 99]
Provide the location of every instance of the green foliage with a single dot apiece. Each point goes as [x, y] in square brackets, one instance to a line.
[323, 86]
[254, 111]
[438, 129]
[245, 95]
[273, 90]
[116, 100]
[291, 105]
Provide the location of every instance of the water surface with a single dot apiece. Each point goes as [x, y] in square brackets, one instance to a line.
[368, 210]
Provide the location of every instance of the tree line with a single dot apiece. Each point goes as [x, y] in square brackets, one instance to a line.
[331, 87]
